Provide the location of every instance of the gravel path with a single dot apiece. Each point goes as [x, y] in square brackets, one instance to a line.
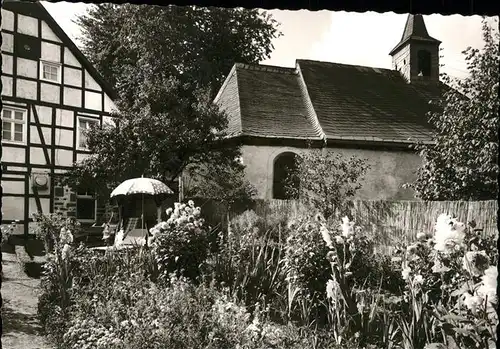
[19, 295]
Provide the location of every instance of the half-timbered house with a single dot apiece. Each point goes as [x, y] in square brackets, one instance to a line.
[51, 94]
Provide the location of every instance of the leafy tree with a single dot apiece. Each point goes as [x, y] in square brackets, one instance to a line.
[225, 184]
[166, 64]
[326, 180]
[462, 164]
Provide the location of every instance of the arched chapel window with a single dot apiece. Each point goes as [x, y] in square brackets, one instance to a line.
[284, 165]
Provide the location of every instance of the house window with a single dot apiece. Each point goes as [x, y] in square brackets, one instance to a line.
[424, 63]
[84, 125]
[13, 125]
[285, 186]
[50, 72]
[86, 205]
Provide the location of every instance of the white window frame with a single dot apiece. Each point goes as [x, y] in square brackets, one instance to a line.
[86, 196]
[14, 121]
[78, 129]
[53, 65]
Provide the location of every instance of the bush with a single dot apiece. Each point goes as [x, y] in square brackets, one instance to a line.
[181, 244]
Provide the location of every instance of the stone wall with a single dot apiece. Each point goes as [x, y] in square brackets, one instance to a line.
[65, 201]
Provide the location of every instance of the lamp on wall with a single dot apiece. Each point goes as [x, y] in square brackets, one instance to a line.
[40, 180]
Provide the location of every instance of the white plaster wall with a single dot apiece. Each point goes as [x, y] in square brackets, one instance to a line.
[12, 187]
[45, 203]
[64, 157]
[51, 52]
[109, 106]
[73, 77]
[7, 42]
[64, 137]
[27, 67]
[7, 20]
[35, 136]
[7, 64]
[93, 100]
[26, 89]
[50, 93]
[48, 34]
[37, 157]
[64, 117]
[44, 114]
[383, 181]
[72, 97]
[70, 59]
[12, 207]
[10, 154]
[91, 83]
[6, 86]
[27, 25]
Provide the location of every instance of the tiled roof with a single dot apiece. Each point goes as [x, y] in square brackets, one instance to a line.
[319, 100]
[354, 102]
[266, 101]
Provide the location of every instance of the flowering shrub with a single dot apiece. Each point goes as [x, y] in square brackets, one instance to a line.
[56, 280]
[49, 226]
[450, 289]
[310, 240]
[181, 243]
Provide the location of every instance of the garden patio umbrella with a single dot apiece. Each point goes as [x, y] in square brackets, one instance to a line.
[141, 186]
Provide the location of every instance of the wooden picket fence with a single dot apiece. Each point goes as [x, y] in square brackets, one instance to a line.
[388, 221]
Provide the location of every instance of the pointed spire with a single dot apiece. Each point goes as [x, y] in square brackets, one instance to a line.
[414, 30]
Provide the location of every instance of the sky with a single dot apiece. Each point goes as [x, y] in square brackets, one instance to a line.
[340, 37]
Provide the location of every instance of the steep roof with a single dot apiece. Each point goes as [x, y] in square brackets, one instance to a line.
[320, 100]
[415, 29]
[37, 10]
[266, 101]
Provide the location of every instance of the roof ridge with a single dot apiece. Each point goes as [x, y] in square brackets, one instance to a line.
[345, 64]
[311, 111]
[266, 68]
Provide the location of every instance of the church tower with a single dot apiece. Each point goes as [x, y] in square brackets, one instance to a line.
[416, 56]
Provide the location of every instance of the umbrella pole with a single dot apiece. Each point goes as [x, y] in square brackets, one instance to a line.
[142, 220]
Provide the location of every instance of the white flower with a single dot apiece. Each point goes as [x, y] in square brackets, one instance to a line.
[339, 240]
[421, 236]
[331, 289]
[472, 302]
[169, 211]
[191, 203]
[65, 236]
[418, 279]
[326, 236]
[449, 232]
[154, 231]
[177, 205]
[406, 273]
[347, 227]
[65, 251]
[488, 288]
[476, 262]
[163, 225]
[119, 237]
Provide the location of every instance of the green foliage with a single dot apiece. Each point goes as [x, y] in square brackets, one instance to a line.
[217, 181]
[166, 64]
[48, 228]
[181, 244]
[327, 180]
[463, 165]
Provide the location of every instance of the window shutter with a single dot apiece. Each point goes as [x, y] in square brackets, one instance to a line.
[28, 47]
